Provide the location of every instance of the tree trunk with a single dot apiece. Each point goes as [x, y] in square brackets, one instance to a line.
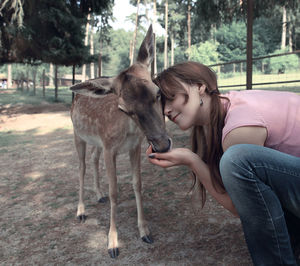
[55, 83]
[166, 36]
[92, 66]
[51, 75]
[100, 65]
[290, 25]
[130, 51]
[284, 26]
[86, 40]
[172, 48]
[189, 29]
[154, 30]
[9, 77]
[146, 11]
[135, 33]
[100, 59]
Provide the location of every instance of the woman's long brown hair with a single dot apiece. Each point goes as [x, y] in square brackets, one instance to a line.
[206, 142]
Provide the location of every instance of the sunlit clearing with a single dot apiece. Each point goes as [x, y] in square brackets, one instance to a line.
[34, 175]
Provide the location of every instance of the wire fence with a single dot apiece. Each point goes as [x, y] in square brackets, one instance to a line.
[279, 71]
[273, 72]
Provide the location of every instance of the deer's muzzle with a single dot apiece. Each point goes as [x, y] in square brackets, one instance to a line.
[161, 146]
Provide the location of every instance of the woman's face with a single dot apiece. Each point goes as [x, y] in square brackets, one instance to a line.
[187, 113]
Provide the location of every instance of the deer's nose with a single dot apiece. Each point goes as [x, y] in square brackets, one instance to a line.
[161, 146]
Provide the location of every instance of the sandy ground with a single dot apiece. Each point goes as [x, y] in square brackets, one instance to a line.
[39, 195]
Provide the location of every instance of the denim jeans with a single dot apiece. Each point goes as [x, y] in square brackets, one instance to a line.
[262, 183]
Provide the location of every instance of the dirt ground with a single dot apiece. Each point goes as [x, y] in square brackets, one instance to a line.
[39, 195]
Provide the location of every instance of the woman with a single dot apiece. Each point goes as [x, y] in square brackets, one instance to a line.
[245, 153]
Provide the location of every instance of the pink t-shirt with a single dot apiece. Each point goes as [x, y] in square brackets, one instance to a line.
[278, 112]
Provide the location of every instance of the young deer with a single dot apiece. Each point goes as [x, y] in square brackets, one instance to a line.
[115, 118]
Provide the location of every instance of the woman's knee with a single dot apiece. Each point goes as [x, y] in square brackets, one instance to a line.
[234, 159]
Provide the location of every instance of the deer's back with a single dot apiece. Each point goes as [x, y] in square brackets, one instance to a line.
[99, 122]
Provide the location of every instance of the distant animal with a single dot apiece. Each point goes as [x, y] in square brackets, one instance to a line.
[281, 70]
[113, 115]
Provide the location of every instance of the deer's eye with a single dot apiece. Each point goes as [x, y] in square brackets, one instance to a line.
[124, 110]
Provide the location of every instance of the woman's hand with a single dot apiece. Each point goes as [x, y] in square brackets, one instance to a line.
[178, 156]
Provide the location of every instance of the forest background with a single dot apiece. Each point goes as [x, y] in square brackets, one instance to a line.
[76, 36]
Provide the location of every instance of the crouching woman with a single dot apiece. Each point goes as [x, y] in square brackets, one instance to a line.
[245, 153]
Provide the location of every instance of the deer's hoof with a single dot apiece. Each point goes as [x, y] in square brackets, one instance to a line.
[81, 218]
[113, 252]
[147, 239]
[103, 200]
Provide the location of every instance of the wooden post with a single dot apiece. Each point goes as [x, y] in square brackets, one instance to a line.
[249, 43]
[34, 80]
[44, 83]
[73, 80]
[9, 77]
[100, 65]
[56, 86]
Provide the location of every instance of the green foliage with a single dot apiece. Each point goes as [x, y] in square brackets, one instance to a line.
[118, 52]
[232, 41]
[205, 53]
[283, 63]
[53, 31]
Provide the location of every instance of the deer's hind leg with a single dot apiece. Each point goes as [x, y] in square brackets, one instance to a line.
[96, 152]
[81, 149]
[135, 160]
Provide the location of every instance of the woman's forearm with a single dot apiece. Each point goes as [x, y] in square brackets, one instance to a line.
[203, 174]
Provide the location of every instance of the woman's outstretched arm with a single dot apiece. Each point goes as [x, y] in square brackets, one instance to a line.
[184, 156]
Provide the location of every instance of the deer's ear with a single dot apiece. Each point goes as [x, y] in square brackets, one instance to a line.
[146, 52]
[98, 87]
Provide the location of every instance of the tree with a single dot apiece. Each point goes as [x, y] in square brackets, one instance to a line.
[206, 52]
[52, 31]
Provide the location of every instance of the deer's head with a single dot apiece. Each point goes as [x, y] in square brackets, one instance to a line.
[137, 95]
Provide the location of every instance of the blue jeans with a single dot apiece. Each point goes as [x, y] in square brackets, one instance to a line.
[262, 183]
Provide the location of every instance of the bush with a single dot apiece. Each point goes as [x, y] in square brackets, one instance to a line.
[279, 64]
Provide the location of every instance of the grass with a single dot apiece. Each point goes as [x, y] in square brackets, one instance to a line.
[239, 79]
[9, 138]
[18, 97]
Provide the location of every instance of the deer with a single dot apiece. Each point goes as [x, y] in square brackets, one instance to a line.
[114, 114]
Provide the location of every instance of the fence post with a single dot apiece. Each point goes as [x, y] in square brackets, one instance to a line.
[44, 83]
[73, 80]
[56, 84]
[249, 43]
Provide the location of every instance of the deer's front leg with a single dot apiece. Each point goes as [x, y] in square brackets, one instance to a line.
[110, 162]
[135, 159]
